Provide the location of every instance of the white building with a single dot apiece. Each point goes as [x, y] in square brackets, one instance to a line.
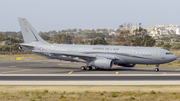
[163, 32]
[113, 33]
[178, 31]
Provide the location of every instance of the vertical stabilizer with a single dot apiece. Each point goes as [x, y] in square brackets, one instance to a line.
[28, 32]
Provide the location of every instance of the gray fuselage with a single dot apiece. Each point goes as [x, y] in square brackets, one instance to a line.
[120, 54]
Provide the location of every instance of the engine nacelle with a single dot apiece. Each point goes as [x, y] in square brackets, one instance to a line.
[20, 48]
[127, 65]
[102, 63]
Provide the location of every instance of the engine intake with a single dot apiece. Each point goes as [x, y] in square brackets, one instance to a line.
[20, 48]
[102, 63]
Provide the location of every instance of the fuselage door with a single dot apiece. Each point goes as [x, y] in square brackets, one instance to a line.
[131, 52]
[157, 53]
[46, 48]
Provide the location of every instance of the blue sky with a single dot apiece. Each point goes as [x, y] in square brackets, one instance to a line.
[48, 15]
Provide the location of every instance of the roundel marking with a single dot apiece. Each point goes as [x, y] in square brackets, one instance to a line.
[41, 49]
[25, 23]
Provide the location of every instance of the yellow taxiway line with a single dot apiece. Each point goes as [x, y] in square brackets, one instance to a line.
[17, 71]
[70, 72]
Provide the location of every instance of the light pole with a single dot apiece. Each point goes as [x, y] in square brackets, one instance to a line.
[10, 46]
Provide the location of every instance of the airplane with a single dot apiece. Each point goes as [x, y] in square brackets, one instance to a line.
[98, 56]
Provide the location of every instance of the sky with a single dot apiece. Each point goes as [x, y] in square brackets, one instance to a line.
[48, 15]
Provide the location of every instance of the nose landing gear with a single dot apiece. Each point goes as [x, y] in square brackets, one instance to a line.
[157, 69]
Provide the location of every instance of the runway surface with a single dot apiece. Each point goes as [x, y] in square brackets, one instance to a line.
[62, 67]
[89, 78]
[55, 72]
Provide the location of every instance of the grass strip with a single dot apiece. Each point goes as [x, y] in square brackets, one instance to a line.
[23, 56]
[90, 93]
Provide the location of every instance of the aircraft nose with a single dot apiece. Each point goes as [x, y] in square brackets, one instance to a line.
[171, 58]
[174, 57]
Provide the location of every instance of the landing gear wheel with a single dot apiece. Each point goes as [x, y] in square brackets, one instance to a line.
[87, 68]
[90, 67]
[97, 68]
[156, 69]
[83, 68]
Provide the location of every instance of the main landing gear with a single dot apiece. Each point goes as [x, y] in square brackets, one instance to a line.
[157, 69]
[86, 68]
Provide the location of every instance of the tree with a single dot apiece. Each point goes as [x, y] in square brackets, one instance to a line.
[45, 36]
[5, 48]
[19, 35]
[167, 46]
[140, 36]
[124, 37]
[150, 42]
[98, 41]
[137, 41]
[75, 30]
[79, 30]
[78, 40]
[121, 26]
[137, 37]
[11, 40]
[94, 35]
[175, 46]
[118, 31]
[162, 42]
[68, 30]
[2, 37]
[10, 34]
[62, 38]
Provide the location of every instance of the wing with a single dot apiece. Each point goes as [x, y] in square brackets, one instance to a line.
[88, 57]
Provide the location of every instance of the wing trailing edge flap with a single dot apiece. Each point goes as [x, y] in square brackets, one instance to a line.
[83, 56]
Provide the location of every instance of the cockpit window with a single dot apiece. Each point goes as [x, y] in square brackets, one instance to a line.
[168, 53]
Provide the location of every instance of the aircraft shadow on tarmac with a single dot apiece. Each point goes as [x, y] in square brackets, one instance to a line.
[74, 69]
[135, 70]
[117, 69]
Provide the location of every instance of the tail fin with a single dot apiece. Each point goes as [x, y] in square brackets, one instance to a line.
[28, 32]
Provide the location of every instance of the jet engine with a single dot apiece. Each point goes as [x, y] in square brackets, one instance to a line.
[127, 65]
[102, 63]
[20, 48]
